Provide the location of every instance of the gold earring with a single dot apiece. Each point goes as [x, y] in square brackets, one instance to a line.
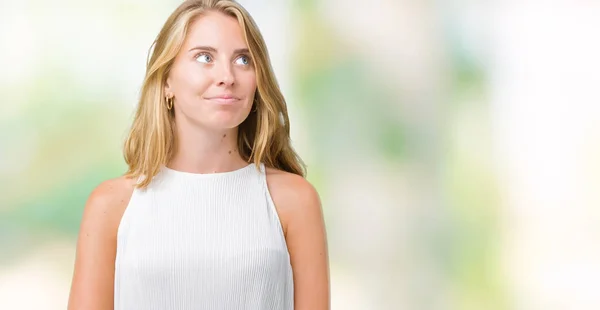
[169, 103]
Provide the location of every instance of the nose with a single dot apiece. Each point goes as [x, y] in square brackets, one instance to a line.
[225, 75]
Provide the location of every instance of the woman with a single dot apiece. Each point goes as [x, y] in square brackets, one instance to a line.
[214, 211]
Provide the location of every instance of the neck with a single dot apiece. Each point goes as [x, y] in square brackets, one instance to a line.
[200, 150]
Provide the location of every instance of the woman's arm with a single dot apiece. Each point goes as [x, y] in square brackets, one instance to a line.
[300, 211]
[92, 287]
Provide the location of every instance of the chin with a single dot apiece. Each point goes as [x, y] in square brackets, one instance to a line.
[226, 121]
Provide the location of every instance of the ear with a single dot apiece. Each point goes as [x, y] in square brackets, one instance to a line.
[168, 90]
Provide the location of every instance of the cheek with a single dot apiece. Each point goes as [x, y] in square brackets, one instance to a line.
[190, 81]
[248, 82]
[252, 79]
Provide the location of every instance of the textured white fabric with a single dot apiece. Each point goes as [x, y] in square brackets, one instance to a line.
[203, 241]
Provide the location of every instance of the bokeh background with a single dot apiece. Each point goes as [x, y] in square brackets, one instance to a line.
[455, 144]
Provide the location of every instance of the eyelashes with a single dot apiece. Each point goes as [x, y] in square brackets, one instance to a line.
[247, 62]
[206, 58]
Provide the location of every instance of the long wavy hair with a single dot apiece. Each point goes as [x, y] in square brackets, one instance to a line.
[263, 137]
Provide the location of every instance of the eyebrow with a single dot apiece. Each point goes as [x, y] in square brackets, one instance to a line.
[214, 50]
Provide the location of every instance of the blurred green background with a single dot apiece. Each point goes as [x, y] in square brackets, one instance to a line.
[455, 144]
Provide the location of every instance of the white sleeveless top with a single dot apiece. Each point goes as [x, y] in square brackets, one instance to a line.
[203, 241]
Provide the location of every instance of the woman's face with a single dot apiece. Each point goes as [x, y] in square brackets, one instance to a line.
[212, 79]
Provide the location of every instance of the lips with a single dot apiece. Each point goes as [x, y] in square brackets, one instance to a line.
[224, 99]
[224, 96]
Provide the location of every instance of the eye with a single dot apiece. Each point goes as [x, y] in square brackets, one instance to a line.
[243, 60]
[205, 58]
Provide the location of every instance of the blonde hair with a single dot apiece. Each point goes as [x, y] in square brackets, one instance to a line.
[264, 137]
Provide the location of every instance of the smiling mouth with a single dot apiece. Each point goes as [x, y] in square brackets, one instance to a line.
[224, 100]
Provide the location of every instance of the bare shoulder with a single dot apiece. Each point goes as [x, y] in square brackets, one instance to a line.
[93, 275]
[110, 198]
[291, 190]
[112, 190]
[293, 196]
[103, 210]
[299, 208]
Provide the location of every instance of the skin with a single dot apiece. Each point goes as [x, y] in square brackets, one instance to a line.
[197, 77]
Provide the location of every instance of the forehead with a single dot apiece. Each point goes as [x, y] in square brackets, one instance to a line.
[217, 30]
